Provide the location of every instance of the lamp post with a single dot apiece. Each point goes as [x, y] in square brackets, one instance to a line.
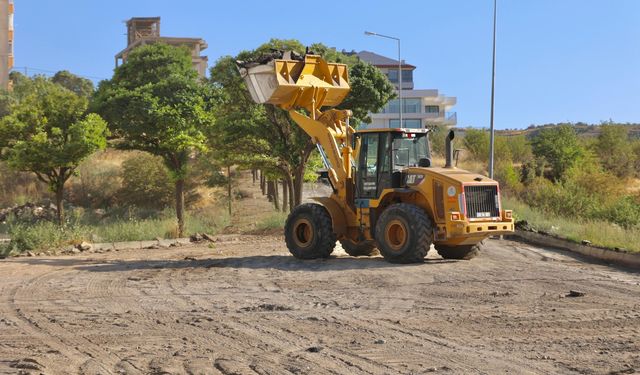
[493, 80]
[369, 33]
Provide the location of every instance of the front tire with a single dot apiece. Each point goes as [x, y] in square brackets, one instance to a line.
[404, 233]
[365, 249]
[308, 232]
[461, 252]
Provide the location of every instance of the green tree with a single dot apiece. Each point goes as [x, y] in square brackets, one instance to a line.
[80, 86]
[155, 102]
[615, 151]
[559, 146]
[476, 142]
[48, 132]
[264, 136]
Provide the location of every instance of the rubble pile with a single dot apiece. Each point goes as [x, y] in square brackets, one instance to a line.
[29, 213]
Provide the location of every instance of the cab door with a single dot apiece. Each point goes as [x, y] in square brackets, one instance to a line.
[374, 165]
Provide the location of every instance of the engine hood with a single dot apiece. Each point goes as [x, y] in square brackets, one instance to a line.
[454, 175]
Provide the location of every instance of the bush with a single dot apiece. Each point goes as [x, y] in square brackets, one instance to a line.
[45, 235]
[615, 151]
[560, 147]
[146, 182]
[97, 184]
[20, 187]
[114, 227]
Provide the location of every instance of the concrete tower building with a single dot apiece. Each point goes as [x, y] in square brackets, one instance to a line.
[6, 42]
[146, 30]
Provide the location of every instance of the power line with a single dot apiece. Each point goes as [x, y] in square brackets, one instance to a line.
[26, 69]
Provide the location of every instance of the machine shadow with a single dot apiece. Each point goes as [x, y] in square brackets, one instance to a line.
[275, 262]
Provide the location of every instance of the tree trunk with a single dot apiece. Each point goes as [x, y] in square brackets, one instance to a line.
[262, 184]
[269, 191]
[276, 195]
[229, 187]
[289, 181]
[285, 196]
[59, 205]
[298, 185]
[180, 206]
[253, 175]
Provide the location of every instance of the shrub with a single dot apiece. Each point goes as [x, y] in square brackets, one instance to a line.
[97, 184]
[146, 182]
[560, 147]
[614, 150]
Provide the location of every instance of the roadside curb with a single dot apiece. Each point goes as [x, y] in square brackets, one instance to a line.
[621, 258]
[102, 247]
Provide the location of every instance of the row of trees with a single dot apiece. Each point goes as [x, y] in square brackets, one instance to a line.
[558, 171]
[156, 103]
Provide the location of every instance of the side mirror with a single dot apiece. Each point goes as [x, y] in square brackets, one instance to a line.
[424, 163]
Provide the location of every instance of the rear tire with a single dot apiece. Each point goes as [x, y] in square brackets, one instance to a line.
[462, 252]
[404, 233]
[308, 232]
[366, 249]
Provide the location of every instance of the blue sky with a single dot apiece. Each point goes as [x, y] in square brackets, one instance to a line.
[558, 60]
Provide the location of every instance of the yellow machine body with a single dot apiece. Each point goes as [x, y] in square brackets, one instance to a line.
[313, 85]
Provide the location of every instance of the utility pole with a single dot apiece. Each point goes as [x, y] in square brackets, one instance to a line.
[493, 84]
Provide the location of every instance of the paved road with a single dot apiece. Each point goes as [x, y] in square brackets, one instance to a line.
[247, 307]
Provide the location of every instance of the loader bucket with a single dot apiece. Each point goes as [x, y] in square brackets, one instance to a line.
[312, 83]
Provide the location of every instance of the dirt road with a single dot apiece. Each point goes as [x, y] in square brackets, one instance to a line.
[247, 307]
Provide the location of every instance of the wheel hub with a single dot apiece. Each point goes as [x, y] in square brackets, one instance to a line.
[303, 232]
[396, 234]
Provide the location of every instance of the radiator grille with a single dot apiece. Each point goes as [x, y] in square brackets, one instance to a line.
[482, 201]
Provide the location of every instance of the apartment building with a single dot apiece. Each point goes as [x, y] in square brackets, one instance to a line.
[421, 108]
[6, 42]
[145, 30]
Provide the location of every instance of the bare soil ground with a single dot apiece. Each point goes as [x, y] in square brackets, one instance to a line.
[245, 306]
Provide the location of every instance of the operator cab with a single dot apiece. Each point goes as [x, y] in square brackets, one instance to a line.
[385, 154]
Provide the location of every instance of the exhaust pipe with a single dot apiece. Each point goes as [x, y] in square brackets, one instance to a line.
[449, 149]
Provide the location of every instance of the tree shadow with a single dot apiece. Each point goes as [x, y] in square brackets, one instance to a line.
[275, 262]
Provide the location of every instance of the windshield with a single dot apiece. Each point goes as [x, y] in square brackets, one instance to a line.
[408, 149]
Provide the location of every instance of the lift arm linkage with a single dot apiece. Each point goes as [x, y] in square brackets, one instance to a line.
[311, 85]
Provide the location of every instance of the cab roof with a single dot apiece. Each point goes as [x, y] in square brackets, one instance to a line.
[394, 130]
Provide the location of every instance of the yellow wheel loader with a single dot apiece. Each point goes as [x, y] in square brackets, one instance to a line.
[386, 194]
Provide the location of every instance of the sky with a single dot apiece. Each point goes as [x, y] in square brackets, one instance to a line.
[557, 60]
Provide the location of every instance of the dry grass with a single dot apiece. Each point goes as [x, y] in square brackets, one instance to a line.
[600, 233]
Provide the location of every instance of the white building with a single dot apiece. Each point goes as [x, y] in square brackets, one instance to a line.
[422, 108]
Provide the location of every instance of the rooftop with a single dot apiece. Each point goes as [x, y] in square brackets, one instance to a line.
[381, 61]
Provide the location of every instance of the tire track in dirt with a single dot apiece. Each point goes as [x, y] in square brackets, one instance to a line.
[75, 348]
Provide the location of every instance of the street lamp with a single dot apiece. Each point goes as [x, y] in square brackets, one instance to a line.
[369, 33]
[493, 85]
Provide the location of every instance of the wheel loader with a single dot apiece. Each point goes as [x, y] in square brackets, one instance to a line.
[386, 194]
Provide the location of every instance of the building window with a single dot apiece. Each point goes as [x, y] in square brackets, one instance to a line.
[407, 75]
[431, 109]
[410, 123]
[392, 75]
[411, 105]
[392, 107]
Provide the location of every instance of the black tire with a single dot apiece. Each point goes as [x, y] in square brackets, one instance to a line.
[308, 232]
[462, 252]
[365, 249]
[404, 233]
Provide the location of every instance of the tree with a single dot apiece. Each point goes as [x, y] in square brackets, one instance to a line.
[264, 135]
[49, 132]
[559, 146]
[155, 102]
[80, 86]
[614, 150]
[476, 142]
